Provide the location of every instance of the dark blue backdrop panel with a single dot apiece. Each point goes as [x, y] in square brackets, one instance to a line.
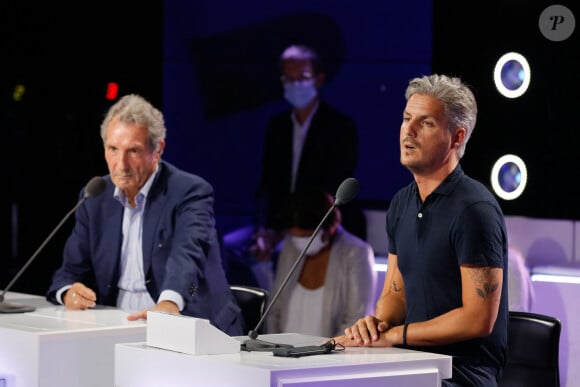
[221, 84]
[235, 68]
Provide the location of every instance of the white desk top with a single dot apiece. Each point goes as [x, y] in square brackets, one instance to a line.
[52, 346]
[350, 356]
[50, 319]
[366, 367]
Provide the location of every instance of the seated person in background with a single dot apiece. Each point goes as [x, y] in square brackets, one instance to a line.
[520, 289]
[334, 284]
[311, 144]
[149, 241]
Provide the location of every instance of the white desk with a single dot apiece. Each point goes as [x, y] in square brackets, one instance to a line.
[56, 347]
[139, 365]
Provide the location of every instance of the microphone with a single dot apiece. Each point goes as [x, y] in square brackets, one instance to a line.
[347, 190]
[94, 187]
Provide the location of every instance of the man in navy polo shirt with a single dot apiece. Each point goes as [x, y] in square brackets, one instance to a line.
[446, 286]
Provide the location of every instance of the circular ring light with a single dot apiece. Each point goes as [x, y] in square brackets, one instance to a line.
[509, 177]
[512, 75]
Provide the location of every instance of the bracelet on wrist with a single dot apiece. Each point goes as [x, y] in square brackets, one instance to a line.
[405, 334]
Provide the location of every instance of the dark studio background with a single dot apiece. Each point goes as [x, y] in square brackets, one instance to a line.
[211, 67]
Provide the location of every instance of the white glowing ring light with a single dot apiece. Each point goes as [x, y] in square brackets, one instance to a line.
[495, 177]
[497, 75]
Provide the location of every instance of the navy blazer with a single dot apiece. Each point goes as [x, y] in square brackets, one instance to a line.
[180, 248]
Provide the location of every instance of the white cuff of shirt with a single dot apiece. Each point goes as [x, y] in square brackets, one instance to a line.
[173, 296]
[59, 293]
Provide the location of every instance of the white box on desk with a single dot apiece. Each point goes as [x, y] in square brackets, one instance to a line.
[185, 334]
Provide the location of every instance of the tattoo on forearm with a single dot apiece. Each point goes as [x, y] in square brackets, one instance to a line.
[484, 286]
[488, 289]
[395, 287]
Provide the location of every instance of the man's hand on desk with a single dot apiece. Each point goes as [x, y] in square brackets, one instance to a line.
[163, 306]
[79, 297]
[368, 332]
[384, 340]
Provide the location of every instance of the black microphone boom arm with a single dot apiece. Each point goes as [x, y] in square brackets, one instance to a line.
[93, 188]
[250, 345]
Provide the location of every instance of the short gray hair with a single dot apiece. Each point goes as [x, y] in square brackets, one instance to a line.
[134, 109]
[459, 101]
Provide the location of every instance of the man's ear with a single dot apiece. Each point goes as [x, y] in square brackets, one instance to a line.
[459, 136]
[161, 147]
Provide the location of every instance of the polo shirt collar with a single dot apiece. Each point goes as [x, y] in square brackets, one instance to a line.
[447, 185]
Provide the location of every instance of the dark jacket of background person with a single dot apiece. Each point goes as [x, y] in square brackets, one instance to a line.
[329, 155]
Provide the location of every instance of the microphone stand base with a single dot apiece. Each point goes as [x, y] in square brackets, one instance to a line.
[261, 345]
[15, 308]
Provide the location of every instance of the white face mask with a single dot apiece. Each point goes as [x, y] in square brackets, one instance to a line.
[301, 93]
[315, 247]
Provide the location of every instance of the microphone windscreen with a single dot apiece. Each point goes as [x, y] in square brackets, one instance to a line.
[95, 187]
[347, 190]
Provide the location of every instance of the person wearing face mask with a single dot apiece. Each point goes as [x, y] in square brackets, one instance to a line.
[334, 284]
[310, 145]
